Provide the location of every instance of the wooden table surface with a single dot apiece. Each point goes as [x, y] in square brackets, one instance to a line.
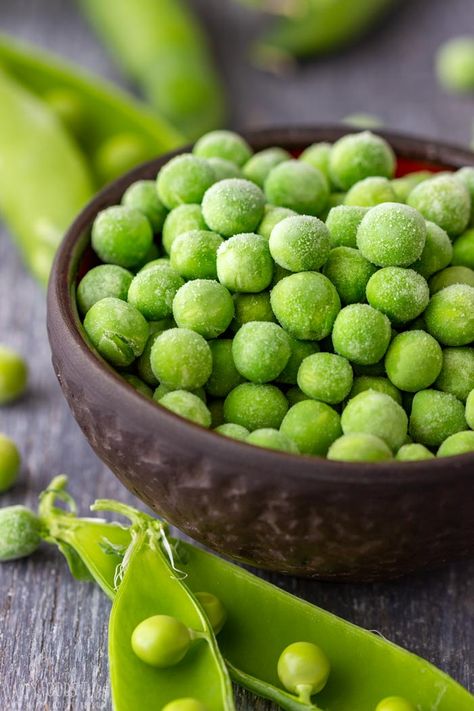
[53, 652]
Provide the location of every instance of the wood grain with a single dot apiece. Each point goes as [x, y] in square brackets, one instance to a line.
[53, 649]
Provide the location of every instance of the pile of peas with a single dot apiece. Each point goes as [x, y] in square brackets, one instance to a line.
[315, 305]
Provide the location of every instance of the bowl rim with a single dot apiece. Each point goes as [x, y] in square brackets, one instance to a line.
[61, 295]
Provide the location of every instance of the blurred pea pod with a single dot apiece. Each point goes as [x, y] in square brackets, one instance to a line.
[162, 47]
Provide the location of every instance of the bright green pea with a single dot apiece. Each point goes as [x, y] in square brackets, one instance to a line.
[185, 704]
[272, 216]
[360, 155]
[252, 307]
[299, 351]
[318, 155]
[294, 395]
[303, 669]
[142, 196]
[183, 218]
[392, 235]
[13, 375]
[272, 439]
[300, 243]
[229, 429]
[117, 330]
[223, 144]
[404, 185]
[370, 191]
[375, 382]
[463, 250]
[161, 641]
[378, 414]
[184, 179]
[435, 416]
[413, 453]
[401, 294]
[395, 703]
[143, 363]
[258, 167]
[100, 282]
[298, 186]
[181, 359]
[204, 306]
[444, 200]
[160, 262]
[233, 206]
[449, 277]
[214, 610]
[359, 447]
[313, 426]
[163, 390]
[343, 222]
[261, 349]
[20, 532]
[244, 263]
[224, 376]
[349, 271]
[449, 316]
[361, 334]
[9, 463]
[326, 377]
[457, 372]
[194, 254]
[121, 235]
[152, 291]
[224, 169]
[187, 405]
[255, 406]
[437, 252]
[458, 443]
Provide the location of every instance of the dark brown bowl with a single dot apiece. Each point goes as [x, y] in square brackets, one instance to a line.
[299, 515]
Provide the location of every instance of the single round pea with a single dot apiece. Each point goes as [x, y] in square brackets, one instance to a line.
[183, 218]
[300, 243]
[187, 405]
[204, 306]
[449, 316]
[185, 704]
[255, 406]
[299, 186]
[457, 372]
[225, 376]
[358, 156]
[213, 608]
[258, 167]
[161, 641]
[361, 334]
[413, 360]
[138, 385]
[224, 169]
[13, 375]
[313, 426]
[223, 144]
[395, 703]
[194, 254]
[444, 200]
[343, 222]
[152, 291]
[163, 390]
[413, 453]
[184, 179]
[470, 410]
[120, 153]
[143, 196]
[455, 64]
[261, 349]
[306, 305]
[359, 447]
[459, 443]
[159, 262]
[449, 276]
[378, 414]
[392, 235]
[370, 192]
[272, 439]
[318, 155]
[229, 429]
[9, 463]
[463, 250]
[244, 263]
[272, 215]
[349, 271]
[299, 351]
[121, 235]
[326, 377]
[401, 294]
[20, 532]
[437, 252]
[404, 185]
[252, 307]
[375, 382]
[143, 363]
[181, 359]
[435, 416]
[303, 669]
[233, 206]
[100, 282]
[117, 330]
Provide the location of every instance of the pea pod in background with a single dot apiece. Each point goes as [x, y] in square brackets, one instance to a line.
[161, 46]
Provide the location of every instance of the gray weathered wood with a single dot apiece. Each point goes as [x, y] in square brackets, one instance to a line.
[53, 651]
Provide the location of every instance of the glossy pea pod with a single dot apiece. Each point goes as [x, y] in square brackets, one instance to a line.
[160, 45]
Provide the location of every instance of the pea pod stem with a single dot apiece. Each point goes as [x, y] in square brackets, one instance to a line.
[268, 691]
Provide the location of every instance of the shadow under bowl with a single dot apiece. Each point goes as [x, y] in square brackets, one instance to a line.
[299, 515]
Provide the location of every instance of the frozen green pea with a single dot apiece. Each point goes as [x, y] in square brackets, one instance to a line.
[375, 382]
[272, 215]
[194, 254]
[463, 250]
[118, 154]
[224, 169]
[437, 252]
[299, 186]
[233, 431]
[152, 291]
[225, 376]
[244, 263]
[216, 408]
[376, 413]
[343, 222]
[255, 406]
[361, 334]
[395, 703]
[163, 390]
[349, 271]
[143, 196]
[359, 447]
[300, 243]
[466, 176]
[260, 164]
[181, 359]
[435, 416]
[313, 426]
[100, 282]
[413, 360]
[326, 377]
[204, 306]
[404, 185]
[187, 704]
[9, 463]
[121, 235]
[449, 276]
[143, 363]
[413, 453]
[306, 305]
[392, 235]
[187, 405]
[459, 443]
[444, 200]
[272, 439]
[455, 64]
[159, 262]
[138, 385]
[223, 144]
[401, 294]
[183, 218]
[13, 375]
[470, 410]
[449, 316]
[294, 395]
[318, 155]
[233, 206]
[360, 155]
[299, 351]
[334, 200]
[370, 191]
[20, 533]
[117, 330]
[252, 307]
[457, 372]
[261, 349]
[184, 179]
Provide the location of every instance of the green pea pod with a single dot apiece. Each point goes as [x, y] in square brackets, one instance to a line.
[161, 46]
